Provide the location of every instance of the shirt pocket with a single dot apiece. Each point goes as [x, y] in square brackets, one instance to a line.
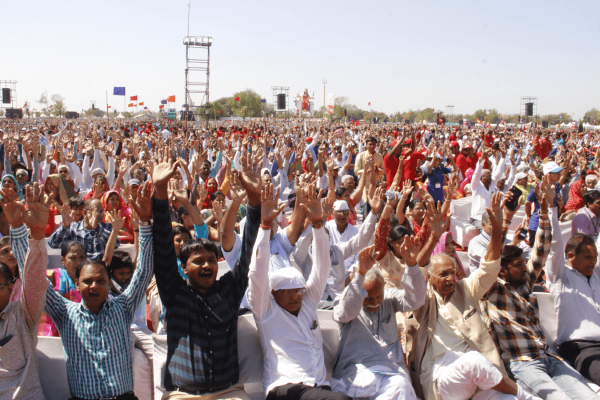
[318, 335]
[12, 355]
[388, 330]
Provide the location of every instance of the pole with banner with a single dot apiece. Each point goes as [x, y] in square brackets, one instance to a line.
[107, 113]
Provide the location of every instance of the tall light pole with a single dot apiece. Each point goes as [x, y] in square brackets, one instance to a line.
[324, 83]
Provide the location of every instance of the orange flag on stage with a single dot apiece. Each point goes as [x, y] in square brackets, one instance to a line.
[171, 99]
[141, 104]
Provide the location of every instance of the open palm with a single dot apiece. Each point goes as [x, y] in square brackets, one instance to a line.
[36, 215]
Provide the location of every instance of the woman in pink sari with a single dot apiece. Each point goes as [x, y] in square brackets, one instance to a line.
[465, 182]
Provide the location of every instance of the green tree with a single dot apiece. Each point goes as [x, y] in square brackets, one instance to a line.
[580, 128]
[90, 113]
[592, 116]
[214, 108]
[249, 104]
[1, 113]
[58, 105]
[44, 99]
[127, 114]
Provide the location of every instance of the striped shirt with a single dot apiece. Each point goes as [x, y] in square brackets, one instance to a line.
[513, 311]
[94, 240]
[97, 346]
[202, 348]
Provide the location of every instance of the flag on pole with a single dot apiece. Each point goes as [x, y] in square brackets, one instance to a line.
[263, 100]
[237, 98]
[369, 103]
[171, 99]
[145, 108]
[161, 106]
[119, 91]
[108, 107]
[163, 102]
[219, 111]
[141, 104]
[130, 105]
[133, 98]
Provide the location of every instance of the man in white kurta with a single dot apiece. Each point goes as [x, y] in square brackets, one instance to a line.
[291, 340]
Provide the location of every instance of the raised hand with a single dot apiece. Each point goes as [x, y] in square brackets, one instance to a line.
[548, 190]
[179, 192]
[366, 259]
[495, 211]
[269, 209]
[376, 201]
[143, 203]
[327, 205]
[251, 182]
[36, 216]
[217, 211]
[13, 208]
[312, 205]
[163, 171]
[115, 220]
[409, 250]
[407, 189]
[237, 191]
[67, 216]
[508, 214]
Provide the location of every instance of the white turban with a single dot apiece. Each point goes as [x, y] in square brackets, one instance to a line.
[286, 278]
[340, 205]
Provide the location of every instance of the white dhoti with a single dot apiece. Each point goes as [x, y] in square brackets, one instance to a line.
[469, 376]
[378, 383]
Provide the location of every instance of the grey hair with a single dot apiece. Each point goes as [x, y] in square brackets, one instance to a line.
[486, 171]
[485, 218]
[347, 176]
[591, 177]
[374, 273]
[439, 258]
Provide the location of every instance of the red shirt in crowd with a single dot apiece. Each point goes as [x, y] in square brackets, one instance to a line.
[464, 163]
[409, 167]
[391, 164]
[542, 146]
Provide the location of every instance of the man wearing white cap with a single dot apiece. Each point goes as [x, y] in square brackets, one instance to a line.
[553, 170]
[340, 230]
[286, 316]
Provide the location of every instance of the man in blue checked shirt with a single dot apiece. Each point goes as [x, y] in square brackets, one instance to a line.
[90, 231]
[95, 333]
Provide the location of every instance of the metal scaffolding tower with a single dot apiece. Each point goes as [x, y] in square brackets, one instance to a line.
[197, 75]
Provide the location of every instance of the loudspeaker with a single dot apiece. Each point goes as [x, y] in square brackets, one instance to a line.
[188, 116]
[544, 124]
[460, 121]
[529, 109]
[14, 113]
[281, 101]
[71, 115]
[6, 95]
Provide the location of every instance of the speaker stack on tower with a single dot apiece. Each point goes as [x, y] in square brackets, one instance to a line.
[6, 95]
[71, 115]
[529, 109]
[281, 101]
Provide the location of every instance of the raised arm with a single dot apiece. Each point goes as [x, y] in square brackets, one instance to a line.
[543, 237]
[413, 295]
[347, 306]
[480, 281]
[144, 270]
[258, 275]
[318, 277]
[365, 233]
[165, 261]
[476, 179]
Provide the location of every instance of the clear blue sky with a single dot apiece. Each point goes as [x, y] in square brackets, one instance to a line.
[395, 54]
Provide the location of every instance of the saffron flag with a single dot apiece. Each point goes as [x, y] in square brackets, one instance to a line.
[237, 98]
[141, 104]
[163, 102]
[369, 103]
[119, 91]
[171, 99]
[133, 98]
[108, 107]
[478, 121]
[161, 106]
[130, 105]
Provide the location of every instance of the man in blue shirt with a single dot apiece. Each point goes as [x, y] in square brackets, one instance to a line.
[553, 170]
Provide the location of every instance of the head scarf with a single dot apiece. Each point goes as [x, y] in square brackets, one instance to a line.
[440, 248]
[122, 204]
[467, 180]
[286, 278]
[65, 190]
[575, 200]
[207, 205]
[304, 167]
[123, 210]
[17, 189]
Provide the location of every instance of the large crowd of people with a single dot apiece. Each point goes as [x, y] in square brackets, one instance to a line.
[309, 217]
